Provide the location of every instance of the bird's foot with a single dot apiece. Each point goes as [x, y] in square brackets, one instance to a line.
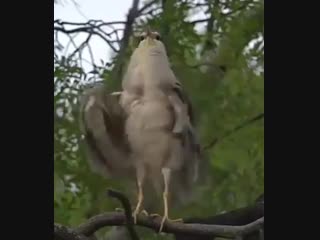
[136, 213]
[145, 212]
[154, 215]
[119, 209]
[166, 218]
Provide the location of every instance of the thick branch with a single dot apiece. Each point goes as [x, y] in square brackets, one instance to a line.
[224, 230]
[237, 217]
[127, 210]
[132, 15]
[64, 233]
[118, 219]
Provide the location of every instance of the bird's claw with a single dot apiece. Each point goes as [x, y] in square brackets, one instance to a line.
[136, 213]
[170, 220]
[154, 215]
[119, 209]
[145, 212]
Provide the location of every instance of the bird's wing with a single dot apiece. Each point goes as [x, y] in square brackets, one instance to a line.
[188, 174]
[177, 88]
[102, 121]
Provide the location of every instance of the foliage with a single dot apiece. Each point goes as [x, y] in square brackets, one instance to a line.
[224, 78]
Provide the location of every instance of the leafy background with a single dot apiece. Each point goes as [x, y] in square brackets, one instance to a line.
[222, 68]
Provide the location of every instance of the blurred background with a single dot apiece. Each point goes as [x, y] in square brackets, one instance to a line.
[216, 49]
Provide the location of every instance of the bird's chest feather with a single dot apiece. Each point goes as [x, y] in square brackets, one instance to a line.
[151, 114]
[134, 82]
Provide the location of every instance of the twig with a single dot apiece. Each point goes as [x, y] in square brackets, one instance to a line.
[81, 46]
[151, 11]
[127, 210]
[107, 41]
[75, 46]
[223, 14]
[132, 15]
[81, 29]
[146, 6]
[91, 27]
[199, 21]
[90, 22]
[91, 55]
[243, 6]
[69, 43]
[240, 126]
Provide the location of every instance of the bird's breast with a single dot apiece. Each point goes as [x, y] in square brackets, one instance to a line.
[151, 114]
[156, 73]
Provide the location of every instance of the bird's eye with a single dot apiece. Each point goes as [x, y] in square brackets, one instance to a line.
[158, 37]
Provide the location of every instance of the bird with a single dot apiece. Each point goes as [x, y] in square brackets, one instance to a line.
[158, 124]
[145, 132]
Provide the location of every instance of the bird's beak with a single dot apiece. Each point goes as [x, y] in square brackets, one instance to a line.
[149, 37]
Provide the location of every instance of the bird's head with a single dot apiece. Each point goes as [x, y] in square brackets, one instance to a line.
[151, 44]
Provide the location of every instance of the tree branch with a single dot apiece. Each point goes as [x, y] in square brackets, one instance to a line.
[81, 46]
[118, 219]
[189, 228]
[89, 30]
[242, 7]
[64, 233]
[200, 21]
[234, 224]
[127, 210]
[132, 15]
[235, 129]
[92, 27]
[140, 11]
[237, 217]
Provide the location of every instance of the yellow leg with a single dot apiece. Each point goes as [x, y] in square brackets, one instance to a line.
[166, 176]
[140, 179]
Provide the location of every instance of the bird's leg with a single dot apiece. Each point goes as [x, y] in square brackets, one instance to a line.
[166, 176]
[140, 179]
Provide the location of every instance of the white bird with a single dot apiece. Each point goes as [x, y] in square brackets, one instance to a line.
[161, 137]
[146, 132]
